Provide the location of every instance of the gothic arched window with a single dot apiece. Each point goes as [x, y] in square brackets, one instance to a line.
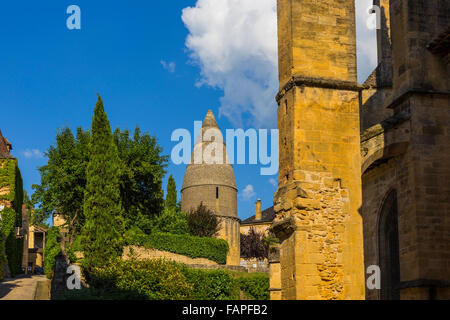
[388, 249]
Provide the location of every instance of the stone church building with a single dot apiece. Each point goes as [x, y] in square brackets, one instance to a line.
[364, 175]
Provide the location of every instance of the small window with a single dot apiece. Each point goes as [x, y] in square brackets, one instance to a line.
[217, 192]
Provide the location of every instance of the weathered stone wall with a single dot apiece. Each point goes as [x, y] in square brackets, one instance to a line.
[431, 166]
[141, 253]
[377, 183]
[227, 203]
[420, 176]
[374, 108]
[275, 272]
[230, 231]
[411, 155]
[317, 203]
[414, 24]
[255, 265]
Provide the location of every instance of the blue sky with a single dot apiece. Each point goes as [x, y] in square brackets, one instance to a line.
[155, 66]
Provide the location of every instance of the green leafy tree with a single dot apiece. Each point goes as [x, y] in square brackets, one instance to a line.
[142, 170]
[102, 235]
[63, 182]
[203, 222]
[171, 196]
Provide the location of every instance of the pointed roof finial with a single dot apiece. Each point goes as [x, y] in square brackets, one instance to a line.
[210, 120]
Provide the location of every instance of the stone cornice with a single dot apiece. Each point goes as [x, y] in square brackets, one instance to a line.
[210, 184]
[389, 123]
[228, 217]
[297, 81]
[410, 92]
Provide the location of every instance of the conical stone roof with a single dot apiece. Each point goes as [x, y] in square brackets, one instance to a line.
[210, 164]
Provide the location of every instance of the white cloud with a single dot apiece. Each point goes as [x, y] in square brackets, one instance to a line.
[234, 42]
[33, 153]
[273, 182]
[248, 192]
[169, 66]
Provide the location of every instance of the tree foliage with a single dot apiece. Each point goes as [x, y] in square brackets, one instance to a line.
[52, 249]
[171, 220]
[203, 222]
[63, 181]
[102, 233]
[142, 170]
[253, 245]
[171, 196]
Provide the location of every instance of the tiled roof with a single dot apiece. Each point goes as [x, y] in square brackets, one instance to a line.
[4, 152]
[267, 215]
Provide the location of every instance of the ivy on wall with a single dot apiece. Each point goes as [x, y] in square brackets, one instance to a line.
[11, 249]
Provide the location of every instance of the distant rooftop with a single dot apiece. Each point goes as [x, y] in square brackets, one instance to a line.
[267, 215]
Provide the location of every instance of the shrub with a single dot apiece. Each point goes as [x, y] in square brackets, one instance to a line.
[253, 245]
[256, 286]
[211, 284]
[190, 246]
[135, 236]
[146, 279]
[156, 280]
[203, 222]
[171, 220]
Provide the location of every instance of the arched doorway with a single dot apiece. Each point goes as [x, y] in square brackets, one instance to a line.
[388, 246]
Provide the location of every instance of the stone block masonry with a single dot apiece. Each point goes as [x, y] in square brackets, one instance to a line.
[319, 194]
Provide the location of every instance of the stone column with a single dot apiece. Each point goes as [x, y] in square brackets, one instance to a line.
[319, 194]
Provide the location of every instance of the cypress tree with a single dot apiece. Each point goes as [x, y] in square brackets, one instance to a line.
[171, 196]
[103, 229]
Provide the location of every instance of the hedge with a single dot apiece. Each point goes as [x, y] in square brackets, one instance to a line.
[155, 280]
[190, 246]
[211, 284]
[167, 280]
[11, 177]
[256, 286]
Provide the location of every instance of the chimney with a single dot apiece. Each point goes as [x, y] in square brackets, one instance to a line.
[258, 210]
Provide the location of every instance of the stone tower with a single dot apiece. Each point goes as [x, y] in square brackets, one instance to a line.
[210, 180]
[319, 194]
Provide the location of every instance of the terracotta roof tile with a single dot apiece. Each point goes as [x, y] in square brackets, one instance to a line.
[4, 152]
